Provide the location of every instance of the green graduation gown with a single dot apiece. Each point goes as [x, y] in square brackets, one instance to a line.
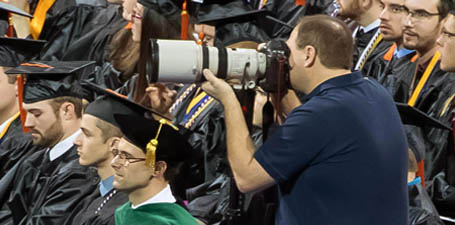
[157, 214]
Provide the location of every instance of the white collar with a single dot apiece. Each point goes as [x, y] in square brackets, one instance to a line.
[63, 146]
[164, 196]
[3, 126]
[368, 28]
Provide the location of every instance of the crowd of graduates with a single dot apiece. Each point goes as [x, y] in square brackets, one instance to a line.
[86, 137]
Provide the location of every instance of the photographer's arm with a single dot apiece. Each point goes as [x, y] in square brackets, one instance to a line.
[248, 173]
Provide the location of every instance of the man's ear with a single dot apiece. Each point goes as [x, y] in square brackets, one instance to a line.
[309, 54]
[67, 111]
[160, 168]
[366, 4]
[112, 142]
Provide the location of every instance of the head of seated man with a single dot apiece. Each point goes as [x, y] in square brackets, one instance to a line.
[392, 14]
[52, 98]
[446, 42]
[422, 24]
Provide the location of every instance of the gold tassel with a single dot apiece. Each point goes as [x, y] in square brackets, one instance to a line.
[151, 147]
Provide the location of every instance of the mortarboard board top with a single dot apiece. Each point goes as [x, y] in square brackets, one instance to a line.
[49, 69]
[52, 79]
[227, 16]
[137, 108]
[413, 116]
[12, 9]
[14, 51]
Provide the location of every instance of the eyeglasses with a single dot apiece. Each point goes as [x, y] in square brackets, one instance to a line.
[125, 156]
[420, 14]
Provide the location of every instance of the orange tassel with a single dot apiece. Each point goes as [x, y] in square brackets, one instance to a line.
[300, 2]
[20, 89]
[420, 172]
[10, 32]
[128, 26]
[184, 23]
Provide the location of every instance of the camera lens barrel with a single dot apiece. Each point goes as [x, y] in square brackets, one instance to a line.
[183, 62]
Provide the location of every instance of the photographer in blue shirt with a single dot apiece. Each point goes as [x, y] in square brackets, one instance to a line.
[339, 158]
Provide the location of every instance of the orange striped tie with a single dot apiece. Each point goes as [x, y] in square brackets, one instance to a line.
[37, 23]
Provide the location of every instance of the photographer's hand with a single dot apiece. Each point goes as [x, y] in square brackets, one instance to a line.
[217, 88]
[161, 98]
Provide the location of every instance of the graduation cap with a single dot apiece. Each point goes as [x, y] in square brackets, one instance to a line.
[240, 24]
[133, 107]
[51, 79]
[160, 140]
[14, 51]
[413, 116]
[6, 8]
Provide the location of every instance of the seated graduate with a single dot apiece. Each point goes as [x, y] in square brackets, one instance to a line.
[44, 188]
[147, 158]
[99, 134]
[14, 144]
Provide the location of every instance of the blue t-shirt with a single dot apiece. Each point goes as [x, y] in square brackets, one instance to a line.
[341, 157]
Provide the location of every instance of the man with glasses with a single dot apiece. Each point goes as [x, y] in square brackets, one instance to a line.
[98, 138]
[370, 44]
[145, 161]
[423, 82]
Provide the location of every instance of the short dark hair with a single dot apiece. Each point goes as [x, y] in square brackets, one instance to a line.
[444, 6]
[56, 103]
[331, 38]
[172, 170]
[107, 130]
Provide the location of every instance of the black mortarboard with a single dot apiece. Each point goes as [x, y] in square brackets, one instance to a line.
[413, 116]
[164, 7]
[132, 106]
[106, 106]
[51, 79]
[7, 8]
[14, 51]
[237, 21]
[160, 140]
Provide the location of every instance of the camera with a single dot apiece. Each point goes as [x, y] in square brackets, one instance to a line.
[183, 62]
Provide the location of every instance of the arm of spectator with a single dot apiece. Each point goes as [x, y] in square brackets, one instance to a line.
[248, 173]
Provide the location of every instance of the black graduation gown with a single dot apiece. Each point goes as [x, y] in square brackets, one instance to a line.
[443, 194]
[105, 211]
[207, 137]
[14, 149]
[395, 77]
[41, 191]
[14, 129]
[81, 33]
[421, 209]
[374, 63]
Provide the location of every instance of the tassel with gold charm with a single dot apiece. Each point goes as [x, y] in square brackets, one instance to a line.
[150, 155]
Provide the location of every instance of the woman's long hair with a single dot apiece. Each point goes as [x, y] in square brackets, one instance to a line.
[156, 26]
